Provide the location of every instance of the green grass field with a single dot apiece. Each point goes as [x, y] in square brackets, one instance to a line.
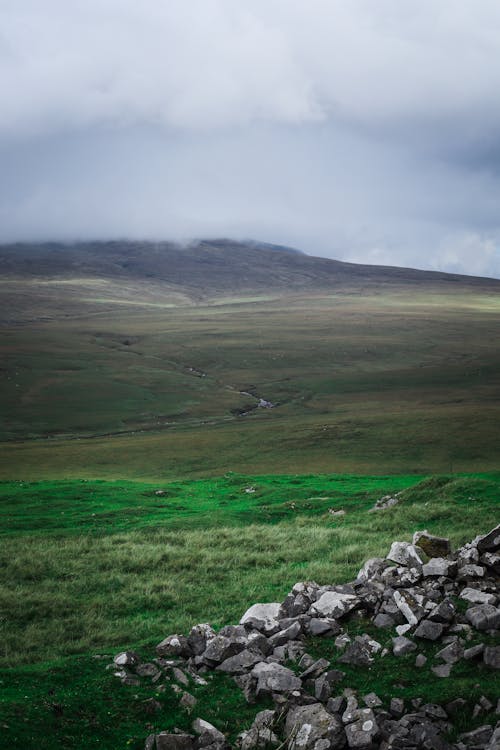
[93, 567]
[391, 382]
[137, 500]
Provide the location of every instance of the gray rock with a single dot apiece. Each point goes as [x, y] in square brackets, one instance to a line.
[372, 700]
[408, 606]
[148, 669]
[372, 569]
[440, 566]
[221, 648]
[127, 659]
[274, 678]
[490, 542]
[494, 742]
[384, 621]
[484, 617]
[474, 651]
[188, 701]
[305, 726]
[263, 617]
[240, 663]
[406, 554]
[420, 660]
[336, 705]
[491, 656]
[451, 653]
[402, 646]
[283, 636]
[433, 546]
[322, 689]
[168, 741]
[442, 670]
[397, 707]
[261, 736]
[468, 572]
[362, 732]
[174, 645]
[443, 612]
[180, 676]
[199, 636]
[478, 737]
[334, 604]
[477, 597]
[315, 669]
[429, 630]
[323, 626]
[360, 652]
[207, 733]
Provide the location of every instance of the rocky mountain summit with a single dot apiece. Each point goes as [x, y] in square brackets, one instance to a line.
[422, 593]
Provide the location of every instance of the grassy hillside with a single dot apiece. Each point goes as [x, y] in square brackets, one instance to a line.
[374, 383]
[89, 568]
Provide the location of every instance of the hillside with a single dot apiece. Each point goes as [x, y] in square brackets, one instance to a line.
[155, 271]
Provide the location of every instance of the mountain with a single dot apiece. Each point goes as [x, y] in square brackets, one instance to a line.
[55, 280]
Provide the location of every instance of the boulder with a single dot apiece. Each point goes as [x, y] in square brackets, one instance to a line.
[334, 604]
[263, 617]
[305, 726]
[490, 542]
[451, 653]
[168, 741]
[207, 733]
[405, 554]
[429, 630]
[241, 663]
[362, 732]
[491, 656]
[126, 659]
[433, 546]
[484, 617]
[440, 566]
[475, 596]
[274, 678]
[221, 648]
[409, 607]
[402, 646]
[261, 736]
[199, 636]
[174, 645]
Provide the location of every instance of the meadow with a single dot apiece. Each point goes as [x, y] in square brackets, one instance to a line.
[89, 568]
[387, 382]
[143, 489]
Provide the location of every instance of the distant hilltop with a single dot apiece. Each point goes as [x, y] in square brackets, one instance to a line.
[207, 268]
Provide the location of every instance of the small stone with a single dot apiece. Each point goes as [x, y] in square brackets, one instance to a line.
[168, 741]
[406, 554]
[315, 669]
[474, 651]
[491, 656]
[188, 701]
[402, 646]
[470, 571]
[443, 670]
[478, 737]
[372, 700]
[274, 678]
[397, 707]
[451, 653]
[180, 676]
[174, 645]
[126, 659]
[384, 621]
[420, 660]
[443, 612]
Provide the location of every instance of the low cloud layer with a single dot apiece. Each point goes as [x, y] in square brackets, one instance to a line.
[358, 130]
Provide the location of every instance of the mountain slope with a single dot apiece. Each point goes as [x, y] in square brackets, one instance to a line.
[211, 267]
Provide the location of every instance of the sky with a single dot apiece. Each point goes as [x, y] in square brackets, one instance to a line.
[359, 130]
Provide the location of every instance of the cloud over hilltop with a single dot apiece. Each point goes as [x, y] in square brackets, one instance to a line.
[352, 129]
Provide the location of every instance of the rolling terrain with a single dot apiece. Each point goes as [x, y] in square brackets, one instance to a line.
[161, 354]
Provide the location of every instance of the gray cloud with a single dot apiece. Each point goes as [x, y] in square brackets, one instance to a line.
[360, 130]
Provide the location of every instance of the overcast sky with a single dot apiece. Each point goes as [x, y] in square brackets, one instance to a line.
[359, 129]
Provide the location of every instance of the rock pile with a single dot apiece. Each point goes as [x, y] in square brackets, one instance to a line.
[421, 591]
